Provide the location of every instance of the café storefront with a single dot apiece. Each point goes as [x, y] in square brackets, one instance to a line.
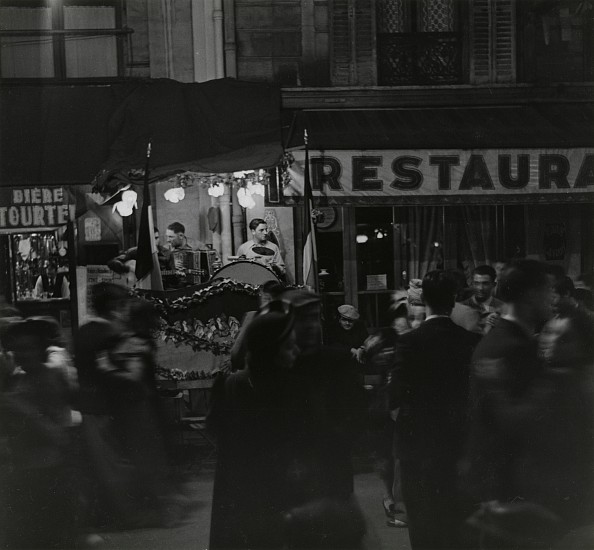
[387, 216]
[37, 240]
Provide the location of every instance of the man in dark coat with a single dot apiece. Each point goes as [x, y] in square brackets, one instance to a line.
[505, 367]
[429, 385]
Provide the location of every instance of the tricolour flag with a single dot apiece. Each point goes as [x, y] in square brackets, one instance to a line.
[147, 269]
[310, 253]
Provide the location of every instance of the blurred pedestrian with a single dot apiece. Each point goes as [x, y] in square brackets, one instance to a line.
[106, 471]
[137, 423]
[505, 368]
[429, 385]
[379, 354]
[416, 305]
[39, 500]
[254, 432]
[558, 470]
[268, 291]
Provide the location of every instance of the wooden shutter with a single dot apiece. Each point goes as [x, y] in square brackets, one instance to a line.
[505, 41]
[353, 42]
[493, 52]
[480, 58]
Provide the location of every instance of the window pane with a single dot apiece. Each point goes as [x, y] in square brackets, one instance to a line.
[393, 16]
[90, 56]
[26, 56]
[437, 16]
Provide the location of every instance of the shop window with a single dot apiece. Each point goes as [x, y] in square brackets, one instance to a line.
[60, 39]
[557, 41]
[40, 266]
[418, 42]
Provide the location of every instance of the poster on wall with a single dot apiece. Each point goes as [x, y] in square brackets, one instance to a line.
[87, 276]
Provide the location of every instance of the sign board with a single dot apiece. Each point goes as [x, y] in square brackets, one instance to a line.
[31, 208]
[400, 173]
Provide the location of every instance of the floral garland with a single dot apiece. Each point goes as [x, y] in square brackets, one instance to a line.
[217, 335]
[201, 296]
[181, 375]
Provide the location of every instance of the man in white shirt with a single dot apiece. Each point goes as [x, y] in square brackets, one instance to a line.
[52, 284]
[261, 248]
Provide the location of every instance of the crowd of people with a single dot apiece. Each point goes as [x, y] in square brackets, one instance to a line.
[484, 416]
[87, 442]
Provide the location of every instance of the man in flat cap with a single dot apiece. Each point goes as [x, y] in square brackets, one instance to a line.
[348, 331]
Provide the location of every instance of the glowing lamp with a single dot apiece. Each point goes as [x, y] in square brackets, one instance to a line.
[175, 194]
[244, 197]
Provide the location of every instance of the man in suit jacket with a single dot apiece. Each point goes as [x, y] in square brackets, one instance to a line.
[429, 385]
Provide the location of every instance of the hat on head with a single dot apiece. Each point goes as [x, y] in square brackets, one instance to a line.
[267, 330]
[299, 297]
[45, 329]
[348, 312]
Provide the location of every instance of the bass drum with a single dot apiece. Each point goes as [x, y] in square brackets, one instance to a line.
[246, 271]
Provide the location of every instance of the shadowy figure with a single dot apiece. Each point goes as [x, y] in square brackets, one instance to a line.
[39, 498]
[430, 386]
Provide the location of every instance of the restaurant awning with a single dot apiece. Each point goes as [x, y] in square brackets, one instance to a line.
[60, 135]
[522, 126]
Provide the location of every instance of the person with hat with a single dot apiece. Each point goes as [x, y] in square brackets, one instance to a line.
[261, 248]
[255, 433]
[348, 331]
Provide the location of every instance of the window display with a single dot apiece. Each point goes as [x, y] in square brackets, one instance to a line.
[40, 263]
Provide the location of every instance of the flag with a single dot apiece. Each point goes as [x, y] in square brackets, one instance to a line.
[147, 270]
[310, 253]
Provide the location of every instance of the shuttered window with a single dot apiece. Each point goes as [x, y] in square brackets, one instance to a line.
[493, 55]
[419, 42]
[353, 42]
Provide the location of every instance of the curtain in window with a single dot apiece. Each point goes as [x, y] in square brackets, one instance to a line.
[90, 56]
[423, 230]
[476, 237]
[26, 56]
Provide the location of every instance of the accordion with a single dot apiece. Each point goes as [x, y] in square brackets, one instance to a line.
[198, 265]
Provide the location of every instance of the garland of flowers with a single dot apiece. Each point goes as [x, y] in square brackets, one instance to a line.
[183, 375]
[216, 335]
[200, 297]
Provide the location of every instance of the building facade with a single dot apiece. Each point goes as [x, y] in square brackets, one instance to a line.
[442, 133]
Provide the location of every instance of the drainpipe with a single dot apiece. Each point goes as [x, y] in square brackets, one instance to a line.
[217, 17]
[230, 45]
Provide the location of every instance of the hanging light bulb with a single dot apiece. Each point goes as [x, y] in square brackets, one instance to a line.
[257, 189]
[216, 190]
[129, 197]
[361, 239]
[175, 194]
[244, 198]
[123, 208]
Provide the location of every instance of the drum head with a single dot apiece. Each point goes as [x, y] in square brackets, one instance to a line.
[246, 271]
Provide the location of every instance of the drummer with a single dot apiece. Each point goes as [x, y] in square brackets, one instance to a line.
[260, 248]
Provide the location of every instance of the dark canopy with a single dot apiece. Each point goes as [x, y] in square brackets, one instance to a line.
[54, 134]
